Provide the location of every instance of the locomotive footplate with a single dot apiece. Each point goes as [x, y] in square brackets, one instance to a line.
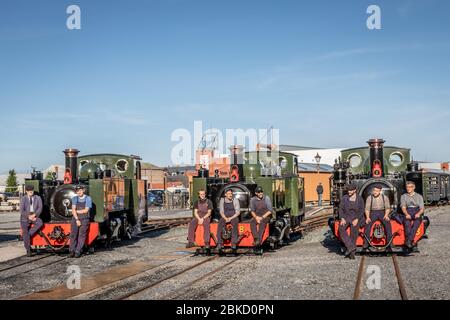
[378, 241]
[56, 236]
[245, 237]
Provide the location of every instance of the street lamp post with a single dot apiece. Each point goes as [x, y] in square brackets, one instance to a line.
[317, 158]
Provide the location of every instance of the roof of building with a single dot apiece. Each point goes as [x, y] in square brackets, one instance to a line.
[180, 169]
[150, 166]
[288, 147]
[312, 167]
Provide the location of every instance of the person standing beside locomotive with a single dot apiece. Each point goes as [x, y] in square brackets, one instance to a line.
[202, 213]
[81, 205]
[351, 215]
[30, 210]
[230, 210]
[319, 191]
[378, 207]
[260, 209]
[413, 208]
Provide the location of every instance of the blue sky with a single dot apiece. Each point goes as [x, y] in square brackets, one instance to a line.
[137, 70]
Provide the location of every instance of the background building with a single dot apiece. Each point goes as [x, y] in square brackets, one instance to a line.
[308, 154]
[21, 176]
[210, 160]
[20, 180]
[444, 166]
[179, 176]
[154, 175]
[313, 174]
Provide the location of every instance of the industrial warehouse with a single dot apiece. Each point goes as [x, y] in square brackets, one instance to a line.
[213, 159]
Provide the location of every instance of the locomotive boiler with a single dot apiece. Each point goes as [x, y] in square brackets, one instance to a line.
[118, 194]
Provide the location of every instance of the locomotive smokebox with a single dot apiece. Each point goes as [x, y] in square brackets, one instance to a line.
[376, 157]
[71, 163]
[237, 160]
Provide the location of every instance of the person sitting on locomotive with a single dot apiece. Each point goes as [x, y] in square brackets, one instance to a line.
[81, 205]
[260, 209]
[30, 210]
[202, 213]
[230, 210]
[378, 207]
[351, 214]
[413, 208]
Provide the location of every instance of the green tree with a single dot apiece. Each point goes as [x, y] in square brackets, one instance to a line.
[48, 176]
[11, 182]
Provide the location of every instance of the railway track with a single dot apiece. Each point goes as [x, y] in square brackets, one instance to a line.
[106, 282]
[25, 261]
[178, 291]
[10, 222]
[158, 224]
[33, 264]
[167, 278]
[313, 223]
[21, 263]
[179, 295]
[149, 226]
[398, 276]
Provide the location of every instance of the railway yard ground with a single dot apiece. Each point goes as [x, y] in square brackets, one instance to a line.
[156, 265]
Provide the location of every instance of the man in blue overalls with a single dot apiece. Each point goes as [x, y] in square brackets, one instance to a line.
[260, 209]
[81, 205]
[230, 210]
[413, 208]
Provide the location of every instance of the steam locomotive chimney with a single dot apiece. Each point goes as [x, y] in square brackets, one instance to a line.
[71, 163]
[376, 157]
[237, 160]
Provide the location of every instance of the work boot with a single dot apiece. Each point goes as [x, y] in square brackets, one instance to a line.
[78, 255]
[352, 255]
[347, 252]
[190, 245]
[29, 254]
[409, 244]
[71, 254]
